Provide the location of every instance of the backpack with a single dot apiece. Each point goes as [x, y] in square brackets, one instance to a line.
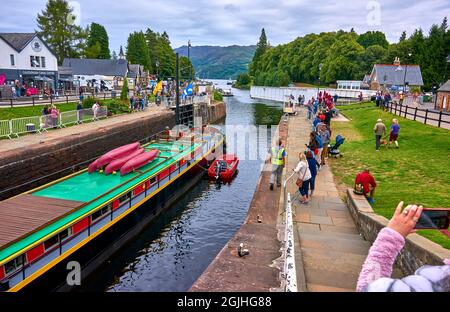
[319, 141]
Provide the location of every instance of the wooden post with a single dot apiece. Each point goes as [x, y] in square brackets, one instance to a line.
[440, 118]
[426, 116]
[32, 99]
[11, 102]
[406, 110]
[415, 114]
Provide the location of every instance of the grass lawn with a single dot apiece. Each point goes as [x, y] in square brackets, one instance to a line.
[418, 172]
[28, 111]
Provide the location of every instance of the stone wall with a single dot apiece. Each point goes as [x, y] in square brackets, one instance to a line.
[212, 113]
[59, 157]
[418, 250]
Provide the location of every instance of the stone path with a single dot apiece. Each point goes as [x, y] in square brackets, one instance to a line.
[30, 139]
[329, 250]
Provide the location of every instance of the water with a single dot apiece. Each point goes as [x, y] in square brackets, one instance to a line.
[175, 249]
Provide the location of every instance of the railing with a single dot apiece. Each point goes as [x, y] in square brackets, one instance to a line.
[53, 99]
[37, 124]
[426, 116]
[290, 272]
[5, 128]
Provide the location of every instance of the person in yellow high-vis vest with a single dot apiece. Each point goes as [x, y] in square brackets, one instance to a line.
[278, 159]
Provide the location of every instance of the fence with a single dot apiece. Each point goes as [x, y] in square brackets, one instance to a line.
[426, 116]
[5, 128]
[37, 124]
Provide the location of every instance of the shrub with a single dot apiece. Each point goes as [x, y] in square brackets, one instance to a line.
[218, 96]
[88, 102]
[124, 92]
[117, 107]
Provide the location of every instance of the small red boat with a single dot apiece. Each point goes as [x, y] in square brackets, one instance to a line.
[138, 162]
[224, 167]
[113, 155]
[118, 163]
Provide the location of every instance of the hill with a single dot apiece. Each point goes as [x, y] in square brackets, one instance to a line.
[214, 62]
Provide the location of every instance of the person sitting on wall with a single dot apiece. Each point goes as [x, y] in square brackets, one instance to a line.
[365, 185]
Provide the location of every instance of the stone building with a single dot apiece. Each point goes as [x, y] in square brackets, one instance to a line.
[443, 97]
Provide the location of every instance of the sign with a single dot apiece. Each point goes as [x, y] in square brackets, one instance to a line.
[37, 72]
[36, 46]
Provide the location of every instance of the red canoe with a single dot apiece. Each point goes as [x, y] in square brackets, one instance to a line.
[113, 155]
[224, 167]
[138, 161]
[118, 163]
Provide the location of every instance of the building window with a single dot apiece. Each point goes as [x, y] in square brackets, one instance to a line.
[13, 61]
[42, 62]
[14, 265]
[35, 61]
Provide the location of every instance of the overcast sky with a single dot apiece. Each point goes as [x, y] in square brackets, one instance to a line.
[228, 22]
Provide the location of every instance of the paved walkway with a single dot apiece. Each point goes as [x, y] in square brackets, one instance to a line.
[329, 250]
[26, 140]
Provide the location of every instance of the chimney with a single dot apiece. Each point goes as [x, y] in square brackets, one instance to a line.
[397, 61]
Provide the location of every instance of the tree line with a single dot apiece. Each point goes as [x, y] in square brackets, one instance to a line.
[330, 56]
[67, 40]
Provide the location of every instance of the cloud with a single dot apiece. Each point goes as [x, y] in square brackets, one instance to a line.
[228, 22]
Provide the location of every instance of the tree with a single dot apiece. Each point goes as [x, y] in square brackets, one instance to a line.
[261, 48]
[137, 50]
[125, 90]
[56, 28]
[371, 38]
[161, 54]
[98, 34]
[243, 79]
[93, 52]
[403, 36]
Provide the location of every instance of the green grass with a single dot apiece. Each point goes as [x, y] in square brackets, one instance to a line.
[418, 172]
[29, 111]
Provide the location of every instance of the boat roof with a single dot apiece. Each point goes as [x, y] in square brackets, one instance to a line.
[63, 201]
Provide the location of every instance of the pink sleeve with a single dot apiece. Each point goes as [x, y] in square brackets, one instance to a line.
[381, 258]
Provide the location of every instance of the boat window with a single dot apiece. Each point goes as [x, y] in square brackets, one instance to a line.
[65, 234]
[99, 213]
[51, 242]
[152, 180]
[13, 265]
[125, 197]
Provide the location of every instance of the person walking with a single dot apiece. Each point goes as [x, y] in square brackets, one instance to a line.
[380, 131]
[278, 160]
[313, 167]
[326, 136]
[304, 175]
[395, 130]
[80, 112]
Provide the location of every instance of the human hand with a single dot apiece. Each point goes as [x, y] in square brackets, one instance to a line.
[404, 222]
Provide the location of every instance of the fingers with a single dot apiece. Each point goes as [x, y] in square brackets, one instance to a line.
[398, 210]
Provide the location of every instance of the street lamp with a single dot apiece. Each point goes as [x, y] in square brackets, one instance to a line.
[318, 87]
[189, 58]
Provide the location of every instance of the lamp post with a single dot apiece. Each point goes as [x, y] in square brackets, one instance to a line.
[189, 58]
[318, 87]
[177, 91]
[404, 78]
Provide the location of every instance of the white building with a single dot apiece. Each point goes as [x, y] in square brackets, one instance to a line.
[349, 84]
[26, 58]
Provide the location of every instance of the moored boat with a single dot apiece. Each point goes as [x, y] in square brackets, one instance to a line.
[223, 167]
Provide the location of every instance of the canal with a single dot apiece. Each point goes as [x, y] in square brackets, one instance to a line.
[174, 250]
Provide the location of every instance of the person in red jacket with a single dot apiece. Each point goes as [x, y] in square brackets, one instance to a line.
[365, 185]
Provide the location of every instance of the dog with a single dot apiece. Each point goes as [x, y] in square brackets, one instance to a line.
[385, 142]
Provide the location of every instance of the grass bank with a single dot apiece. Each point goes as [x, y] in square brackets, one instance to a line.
[418, 172]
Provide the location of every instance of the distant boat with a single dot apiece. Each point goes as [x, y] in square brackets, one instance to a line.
[230, 82]
[227, 92]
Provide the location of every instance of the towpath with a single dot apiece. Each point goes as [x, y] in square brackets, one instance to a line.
[329, 250]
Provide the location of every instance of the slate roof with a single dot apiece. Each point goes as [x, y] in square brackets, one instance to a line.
[97, 67]
[395, 75]
[445, 87]
[18, 41]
